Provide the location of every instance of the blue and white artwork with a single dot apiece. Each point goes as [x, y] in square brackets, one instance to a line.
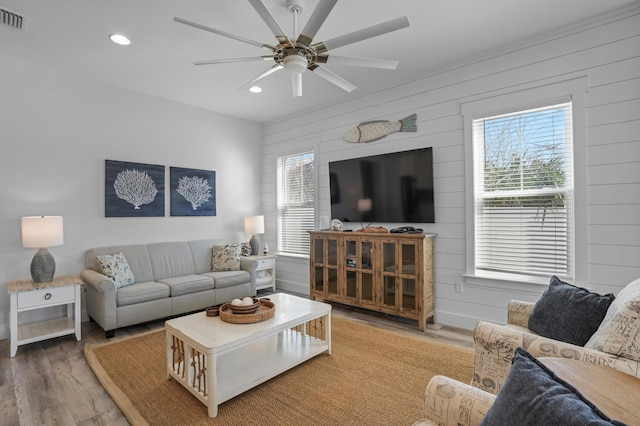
[133, 189]
[193, 192]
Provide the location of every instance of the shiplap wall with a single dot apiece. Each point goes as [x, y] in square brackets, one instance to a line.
[605, 51]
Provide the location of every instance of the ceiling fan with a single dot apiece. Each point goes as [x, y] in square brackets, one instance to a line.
[297, 54]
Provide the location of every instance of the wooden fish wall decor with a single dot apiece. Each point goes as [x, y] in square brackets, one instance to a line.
[377, 129]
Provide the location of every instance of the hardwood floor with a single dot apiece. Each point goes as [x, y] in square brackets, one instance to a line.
[50, 383]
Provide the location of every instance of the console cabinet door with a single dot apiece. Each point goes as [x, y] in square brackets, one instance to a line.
[409, 279]
[324, 267]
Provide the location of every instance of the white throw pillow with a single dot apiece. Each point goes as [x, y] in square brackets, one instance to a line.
[225, 258]
[116, 267]
[619, 332]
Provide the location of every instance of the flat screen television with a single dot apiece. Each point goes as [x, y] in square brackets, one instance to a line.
[392, 188]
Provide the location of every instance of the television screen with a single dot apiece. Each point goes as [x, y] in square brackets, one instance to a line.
[394, 188]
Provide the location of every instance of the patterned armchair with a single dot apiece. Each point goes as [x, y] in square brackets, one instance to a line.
[495, 346]
[450, 402]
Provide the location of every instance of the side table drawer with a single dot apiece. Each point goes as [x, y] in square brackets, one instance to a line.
[46, 296]
[265, 263]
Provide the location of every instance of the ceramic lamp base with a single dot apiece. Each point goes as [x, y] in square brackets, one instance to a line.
[254, 242]
[42, 266]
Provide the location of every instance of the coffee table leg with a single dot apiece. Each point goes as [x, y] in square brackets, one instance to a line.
[328, 330]
[169, 338]
[212, 386]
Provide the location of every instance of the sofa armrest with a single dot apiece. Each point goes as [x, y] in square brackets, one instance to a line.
[450, 402]
[250, 265]
[98, 282]
[100, 298]
[518, 313]
[495, 345]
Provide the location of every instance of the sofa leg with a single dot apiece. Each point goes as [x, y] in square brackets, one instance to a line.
[109, 334]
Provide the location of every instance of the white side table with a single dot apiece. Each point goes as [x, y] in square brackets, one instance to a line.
[27, 295]
[265, 272]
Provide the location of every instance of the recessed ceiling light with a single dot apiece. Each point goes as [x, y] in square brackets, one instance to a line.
[120, 39]
[255, 89]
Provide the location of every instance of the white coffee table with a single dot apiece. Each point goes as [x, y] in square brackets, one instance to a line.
[217, 361]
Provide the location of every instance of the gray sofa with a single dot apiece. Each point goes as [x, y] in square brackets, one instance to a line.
[171, 278]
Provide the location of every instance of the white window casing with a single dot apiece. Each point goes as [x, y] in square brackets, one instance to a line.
[525, 173]
[296, 190]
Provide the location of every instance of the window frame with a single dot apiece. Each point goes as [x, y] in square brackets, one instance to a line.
[573, 91]
[288, 153]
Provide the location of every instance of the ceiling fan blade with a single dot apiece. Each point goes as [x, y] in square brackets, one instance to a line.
[358, 62]
[315, 21]
[333, 78]
[271, 22]
[268, 72]
[232, 60]
[296, 83]
[222, 33]
[363, 34]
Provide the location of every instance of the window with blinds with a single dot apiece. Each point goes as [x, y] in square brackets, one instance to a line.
[296, 195]
[523, 191]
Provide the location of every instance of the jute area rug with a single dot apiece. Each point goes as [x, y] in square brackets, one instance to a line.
[373, 377]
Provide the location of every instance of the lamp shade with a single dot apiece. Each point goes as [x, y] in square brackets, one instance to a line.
[42, 231]
[254, 224]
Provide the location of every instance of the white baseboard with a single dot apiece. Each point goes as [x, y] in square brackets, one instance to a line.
[457, 320]
[292, 287]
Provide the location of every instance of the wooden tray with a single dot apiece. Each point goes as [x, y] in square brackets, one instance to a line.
[264, 312]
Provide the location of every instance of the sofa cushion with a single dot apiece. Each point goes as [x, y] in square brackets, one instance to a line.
[568, 313]
[201, 253]
[186, 284]
[116, 267]
[141, 292]
[172, 259]
[225, 258]
[533, 395]
[619, 333]
[229, 278]
[137, 256]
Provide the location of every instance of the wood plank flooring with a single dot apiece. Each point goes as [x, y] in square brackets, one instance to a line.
[50, 383]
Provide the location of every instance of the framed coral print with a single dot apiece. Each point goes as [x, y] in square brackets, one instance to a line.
[193, 192]
[133, 189]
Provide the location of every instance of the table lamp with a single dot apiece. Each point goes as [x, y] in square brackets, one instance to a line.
[254, 225]
[41, 232]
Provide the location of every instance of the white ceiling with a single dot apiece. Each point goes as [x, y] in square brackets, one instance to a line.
[72, 36]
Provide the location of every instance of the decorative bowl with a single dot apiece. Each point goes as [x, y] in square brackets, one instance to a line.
[245, 309]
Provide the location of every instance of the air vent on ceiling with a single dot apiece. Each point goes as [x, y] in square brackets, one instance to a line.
[13, 20]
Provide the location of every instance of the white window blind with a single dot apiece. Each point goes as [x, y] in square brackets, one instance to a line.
[296, 195]
[523, 189]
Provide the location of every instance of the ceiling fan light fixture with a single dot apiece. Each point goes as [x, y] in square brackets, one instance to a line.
[295, 64]
[120, 39]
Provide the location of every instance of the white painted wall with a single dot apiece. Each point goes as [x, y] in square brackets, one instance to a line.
[606, 52]
[56, 131]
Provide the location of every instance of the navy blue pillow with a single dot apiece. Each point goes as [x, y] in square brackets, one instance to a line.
[533, 395]
[568, 313]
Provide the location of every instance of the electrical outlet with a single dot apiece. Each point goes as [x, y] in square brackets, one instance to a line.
[459, 287]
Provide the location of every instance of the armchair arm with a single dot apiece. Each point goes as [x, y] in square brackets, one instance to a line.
[518, 313]
[495, 345]
[450, 402]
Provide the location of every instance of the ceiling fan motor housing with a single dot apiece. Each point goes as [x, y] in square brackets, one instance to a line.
[295, 63]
